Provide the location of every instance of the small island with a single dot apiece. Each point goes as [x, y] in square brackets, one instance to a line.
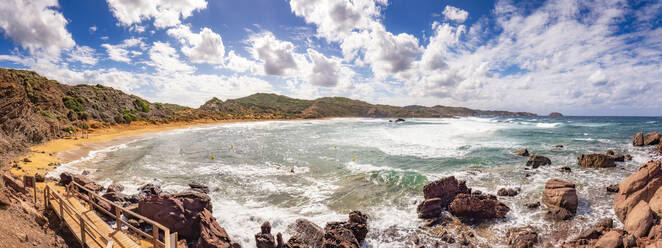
[555, 114]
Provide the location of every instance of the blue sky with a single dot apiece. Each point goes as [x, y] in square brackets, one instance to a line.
[577, 57]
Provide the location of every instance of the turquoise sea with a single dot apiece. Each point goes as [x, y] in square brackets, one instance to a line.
[321, 169]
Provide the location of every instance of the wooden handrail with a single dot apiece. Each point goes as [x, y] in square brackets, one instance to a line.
[86, 225]
[93, 197]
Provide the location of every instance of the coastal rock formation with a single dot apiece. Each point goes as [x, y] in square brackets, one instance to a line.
[65, 178]
[560, 195]
[555, 114]
[115, 187]
[536, 161]
[13, 183]
[652, 138]
[430, 208]
[264, 239]
[310, 233]
[187, 213]
[199, 187]
[612, 239]
[596, 160]
[508, 192]
[522, 237]
[639, 220]
[337, 235]
[522, 152]
[88, 183]
[638, 139]
[640, 186]
[445, 189]
[212, 235]
[478, 206]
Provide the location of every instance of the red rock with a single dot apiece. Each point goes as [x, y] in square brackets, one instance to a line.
[638, 139]
[429, 208]
[115, 187]
[66, 178]
[558, 214]
[295, 242]
[522, 237]
[559, 193]
[336, 235]
[445, 189]
[640, 186]
[612, 239]
[88, 183]
[358, 223]
[639, 220]
[652, 138]
[264, 239]
[310, 233]
[212, 235]
[596, 160]
[507, 192]
[478, 207]
[179, 212]
[536, 161]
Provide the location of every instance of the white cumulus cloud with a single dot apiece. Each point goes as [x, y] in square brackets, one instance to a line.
[165, 13]
[455, 14]
[204, 47]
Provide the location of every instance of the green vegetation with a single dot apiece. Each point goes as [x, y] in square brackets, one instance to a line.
[47, 114]
[141, 105]
[74, 104]
[130, 116]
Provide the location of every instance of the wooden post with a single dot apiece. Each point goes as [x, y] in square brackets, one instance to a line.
[155, 235]
[118, 218]
[61, 210]
[82, 229]
[166, 238]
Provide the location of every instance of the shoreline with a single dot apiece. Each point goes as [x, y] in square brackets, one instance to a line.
[63, 150]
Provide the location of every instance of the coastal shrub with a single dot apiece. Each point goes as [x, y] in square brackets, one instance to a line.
[47, 114]
[129, 116]
[74, 104]
[69, 129]
[141, 105]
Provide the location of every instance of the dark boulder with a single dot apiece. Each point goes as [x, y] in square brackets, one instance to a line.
[199, 187]
[40, 178]
[66, 178]
[212, 235]
[296, 242]
[596, 160]
[477, 206]
[536, 161]
[522, 152]
[532, 205]
[264, 239]
[179, 212]
[445, 189]
[612, 188]
[508, 192]
[358, 223]
[337, 235]
[429, 208]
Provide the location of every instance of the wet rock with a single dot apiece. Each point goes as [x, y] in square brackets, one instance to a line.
[358, 223]
[508, 192]
[522, 152]
[652, 138]
[445, 189]
[628, 157]
[596, 231]
[610, 152]
[27, 160]
[558, 146]
[640, 186]
[429, 208]
[562, 194]
[211, 234]
[88, 183]
[295, 242]
[618, 157]
[605, 223]
[115, 187]
[638, 139]
[264, 239]
[611, 239]
[596, 160]
[612, 188]
[66, 178]
[279, 240]
[522, 237]
[639, 220]
[532, 205]
[116, 197]
[565, 169]
[336, 235]
[199, 186]
[558, 214]
[150, 189]
[307, 231]
[478, 207]
[536, 161]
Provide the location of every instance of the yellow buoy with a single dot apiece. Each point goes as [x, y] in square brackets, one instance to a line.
[231, 146]
[334, 147]
[212, 157]
[353, 159]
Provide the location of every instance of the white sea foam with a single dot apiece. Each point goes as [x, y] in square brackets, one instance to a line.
[548, 125]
